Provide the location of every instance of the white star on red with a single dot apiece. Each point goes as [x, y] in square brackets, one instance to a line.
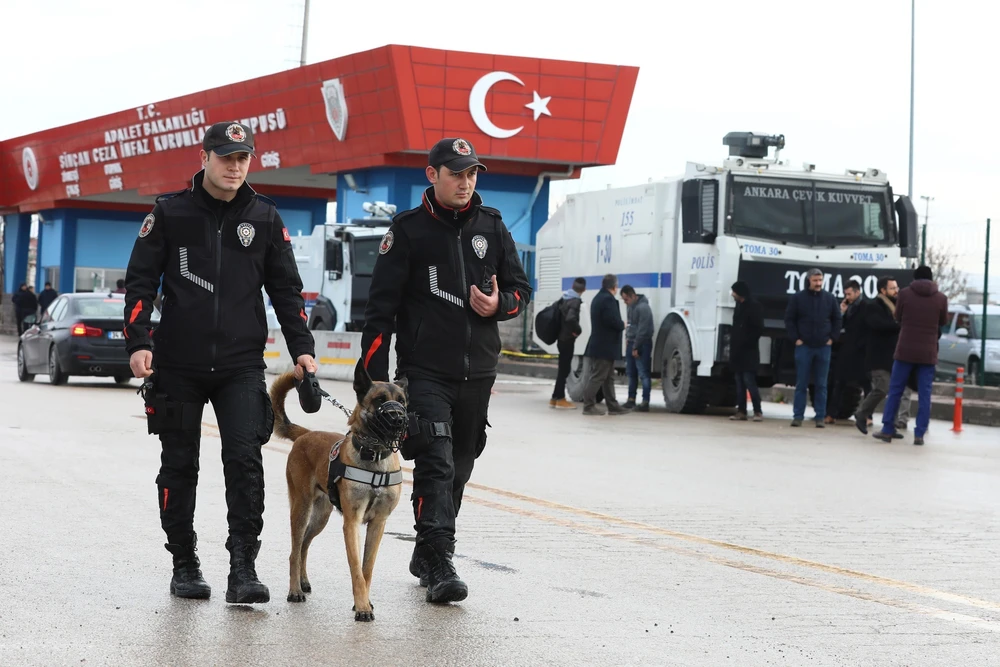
[539, 105]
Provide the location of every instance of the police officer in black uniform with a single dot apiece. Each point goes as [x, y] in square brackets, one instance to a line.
[447, 272]
[215, 245]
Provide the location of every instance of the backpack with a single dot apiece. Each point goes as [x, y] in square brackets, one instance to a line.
[548, 322]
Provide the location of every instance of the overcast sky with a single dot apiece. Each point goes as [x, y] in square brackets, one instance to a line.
[833, 77]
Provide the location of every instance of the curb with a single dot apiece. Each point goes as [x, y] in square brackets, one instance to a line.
[981, 405]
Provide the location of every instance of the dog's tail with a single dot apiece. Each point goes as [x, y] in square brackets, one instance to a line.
[282, 426]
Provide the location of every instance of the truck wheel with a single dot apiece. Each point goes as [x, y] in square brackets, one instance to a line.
[682, 389]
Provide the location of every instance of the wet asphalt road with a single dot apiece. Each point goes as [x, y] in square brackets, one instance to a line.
[649, 539]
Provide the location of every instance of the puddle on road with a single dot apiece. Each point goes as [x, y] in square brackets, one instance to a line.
[481, 563]
[581, 591]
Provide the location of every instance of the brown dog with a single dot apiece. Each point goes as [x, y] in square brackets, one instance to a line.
[367, 490]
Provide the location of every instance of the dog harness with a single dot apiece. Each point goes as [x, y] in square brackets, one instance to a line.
[339, 470]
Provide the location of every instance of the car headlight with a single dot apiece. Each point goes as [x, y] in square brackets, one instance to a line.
[993, 355]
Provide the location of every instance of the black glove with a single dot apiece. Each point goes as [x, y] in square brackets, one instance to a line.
[310, 395]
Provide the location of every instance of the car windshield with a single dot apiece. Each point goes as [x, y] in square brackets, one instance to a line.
[992, 326]
[102, 308]
[811, 213]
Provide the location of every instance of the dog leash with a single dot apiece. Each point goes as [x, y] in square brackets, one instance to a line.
[336, 403]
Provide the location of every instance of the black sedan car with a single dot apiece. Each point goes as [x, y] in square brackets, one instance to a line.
[78, 334]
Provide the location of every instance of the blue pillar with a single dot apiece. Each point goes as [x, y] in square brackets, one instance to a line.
[300, 214]
[395, 185]
[67, 262]
[17, 239]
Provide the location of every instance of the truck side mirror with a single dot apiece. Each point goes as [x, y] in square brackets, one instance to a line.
[909, 240]
[334, 259]
[962, 332]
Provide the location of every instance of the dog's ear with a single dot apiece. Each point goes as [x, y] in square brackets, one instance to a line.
[403, 384]
[362, 381]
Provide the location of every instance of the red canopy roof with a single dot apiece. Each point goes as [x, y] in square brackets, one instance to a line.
[383, 107]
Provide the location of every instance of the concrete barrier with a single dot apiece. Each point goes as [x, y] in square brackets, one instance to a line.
[336, 354]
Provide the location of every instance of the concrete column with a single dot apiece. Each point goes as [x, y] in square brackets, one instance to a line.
[17, 237]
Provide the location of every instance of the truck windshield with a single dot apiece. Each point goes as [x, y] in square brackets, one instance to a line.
[812, 213]
[365, 254]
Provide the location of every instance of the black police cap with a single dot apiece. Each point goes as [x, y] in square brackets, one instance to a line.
[227, 138]
[456, 154]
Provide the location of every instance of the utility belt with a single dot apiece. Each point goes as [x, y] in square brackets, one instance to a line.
[419, 435]
[164, 415]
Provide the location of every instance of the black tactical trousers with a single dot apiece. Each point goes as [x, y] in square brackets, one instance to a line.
[243, 410]
[441, 469]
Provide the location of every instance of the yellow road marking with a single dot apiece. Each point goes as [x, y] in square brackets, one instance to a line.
[746, 567]
[751, 551]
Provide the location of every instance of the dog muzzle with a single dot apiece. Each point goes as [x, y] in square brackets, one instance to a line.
[387, 424]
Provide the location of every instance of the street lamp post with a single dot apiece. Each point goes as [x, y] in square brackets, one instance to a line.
[923, 232]
[913, 34]
[305, 33]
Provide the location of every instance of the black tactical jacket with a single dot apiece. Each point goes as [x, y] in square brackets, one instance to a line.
[429, 260]
[213, 257]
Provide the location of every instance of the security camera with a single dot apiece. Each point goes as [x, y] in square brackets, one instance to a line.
[379, 209]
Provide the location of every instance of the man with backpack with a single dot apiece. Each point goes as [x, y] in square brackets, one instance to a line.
[568, 311]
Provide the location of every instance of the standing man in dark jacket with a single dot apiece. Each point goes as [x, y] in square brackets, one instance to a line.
[921, 311]
[447, 272]
[46, 298]
[812, 320]
[603, 349]
[25, 304]
[881, 332]
[638, 347]
[215, 245]
[744, 350]
[849, 353]
[569, 330]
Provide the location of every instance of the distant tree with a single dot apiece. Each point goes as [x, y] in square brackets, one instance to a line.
[950, 280]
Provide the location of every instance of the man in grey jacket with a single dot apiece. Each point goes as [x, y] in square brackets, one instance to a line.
[638, 346]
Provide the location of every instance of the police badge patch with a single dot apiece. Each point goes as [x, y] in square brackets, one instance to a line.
[479, 245]
[147, 226]
[386, 243]
[462, 147]
[246, 233]
[235, 133]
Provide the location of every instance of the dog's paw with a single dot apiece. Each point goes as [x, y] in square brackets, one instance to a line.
[364, 616]
[305, 586]
[296, 597]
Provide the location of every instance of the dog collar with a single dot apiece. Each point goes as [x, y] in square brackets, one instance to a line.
[372, 454]
[376, 479]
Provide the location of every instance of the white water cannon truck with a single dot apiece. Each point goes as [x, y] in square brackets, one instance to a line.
[336, 262]
[684, 241]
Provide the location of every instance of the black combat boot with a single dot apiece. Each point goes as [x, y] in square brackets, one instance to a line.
[443, 584]
[244, 587]
[187, 581]
[418, 566]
